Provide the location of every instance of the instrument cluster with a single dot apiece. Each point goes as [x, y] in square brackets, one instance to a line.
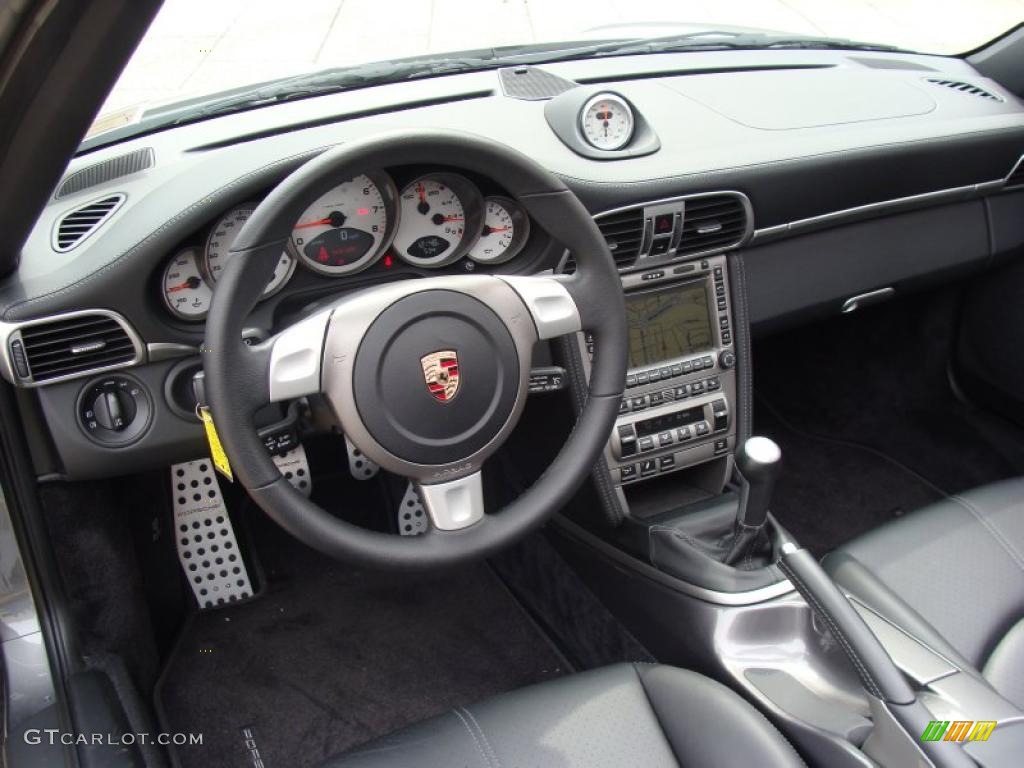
[434, 220]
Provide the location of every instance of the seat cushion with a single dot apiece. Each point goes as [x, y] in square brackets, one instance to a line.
[951, 574]
[626, 714]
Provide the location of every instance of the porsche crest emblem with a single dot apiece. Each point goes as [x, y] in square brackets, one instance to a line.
[441, 372]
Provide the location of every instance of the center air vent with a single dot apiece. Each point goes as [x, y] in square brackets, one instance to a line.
[624, 233]
[73, 345]
[712, 222]
[968, 88]
[76, 225]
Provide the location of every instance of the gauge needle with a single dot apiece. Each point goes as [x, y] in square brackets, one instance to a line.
[192, 282]
[439, 219]
[317, 223]
[489, 230]
[424, 206]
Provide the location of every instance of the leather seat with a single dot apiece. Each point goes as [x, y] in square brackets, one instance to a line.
[952, 575]
[622, 715]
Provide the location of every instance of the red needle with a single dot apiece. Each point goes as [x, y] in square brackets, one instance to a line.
[317, 223]
[422, 192]
[500, 229]
[452, 218]
[179, 287]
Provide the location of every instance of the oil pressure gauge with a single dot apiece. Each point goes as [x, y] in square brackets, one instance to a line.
[607, 122]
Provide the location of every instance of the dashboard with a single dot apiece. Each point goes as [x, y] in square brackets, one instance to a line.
[787, 182]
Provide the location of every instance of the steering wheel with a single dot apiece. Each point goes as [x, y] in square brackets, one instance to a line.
[426, 376]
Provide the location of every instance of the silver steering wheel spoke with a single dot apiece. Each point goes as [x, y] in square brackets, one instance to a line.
[454, 504]
[551, 306]
[296, 356]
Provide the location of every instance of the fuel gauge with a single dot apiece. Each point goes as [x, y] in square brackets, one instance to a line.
[185, 291]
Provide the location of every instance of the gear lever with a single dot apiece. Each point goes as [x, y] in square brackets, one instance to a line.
[759, 461]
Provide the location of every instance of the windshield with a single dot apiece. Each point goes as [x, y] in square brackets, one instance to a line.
[196, 48]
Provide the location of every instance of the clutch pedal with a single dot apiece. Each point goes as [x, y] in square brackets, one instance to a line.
[205, 538]
[360, 466]
[412, 517]
[295, 467]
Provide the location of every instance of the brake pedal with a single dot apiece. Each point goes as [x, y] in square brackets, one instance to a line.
[360, 466]
[294, 465]
[412, 517]
[205, 538]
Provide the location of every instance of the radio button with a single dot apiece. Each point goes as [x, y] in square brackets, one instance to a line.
[713, 384]
[683, 433]
[624, 406]
[726, 337]
[702, 428]
[721, 445]
[721, 303]
[677, 370]
[718, 273]
[655, 398]
[681, 391]
[642, 378]
[648, 467]
[664, 438]
[638, 403]
[666, 373]
[720, 290]
[708, 361]
[631, 380]
[697, 388]
[687, 367]
[646, 443]
[654, 375]
[627, 432]
[627, 472]
[666, 462]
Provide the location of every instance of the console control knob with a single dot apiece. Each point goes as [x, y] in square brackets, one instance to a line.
[726, 359]
[114, 410]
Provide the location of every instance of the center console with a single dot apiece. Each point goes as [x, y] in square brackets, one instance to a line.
[680, 398]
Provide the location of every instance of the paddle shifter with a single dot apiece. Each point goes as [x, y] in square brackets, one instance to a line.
[759, 461]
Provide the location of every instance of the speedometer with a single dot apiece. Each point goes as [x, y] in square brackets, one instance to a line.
[346, 229]
[442, 214]
[218, 246]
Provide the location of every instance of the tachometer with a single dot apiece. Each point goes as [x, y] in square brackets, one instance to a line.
[506, 227]
[346, 229]
[223, 234]
[607, 122]
[185, 290]
[442, 214]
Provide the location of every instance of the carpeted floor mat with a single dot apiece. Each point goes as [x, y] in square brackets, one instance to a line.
[328, 660]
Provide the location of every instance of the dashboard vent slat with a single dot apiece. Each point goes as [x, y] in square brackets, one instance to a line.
[716, 221]
[79, 223]
[969, 88]
[624, 233]
[77, 345]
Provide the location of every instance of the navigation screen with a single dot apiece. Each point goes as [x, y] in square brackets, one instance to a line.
[667, 323]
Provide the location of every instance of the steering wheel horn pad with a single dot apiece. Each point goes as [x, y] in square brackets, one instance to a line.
[428, 377]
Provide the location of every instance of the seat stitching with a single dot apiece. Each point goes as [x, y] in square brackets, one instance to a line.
[989, 526]
[483, 736]
[487, 760]
[756, 711]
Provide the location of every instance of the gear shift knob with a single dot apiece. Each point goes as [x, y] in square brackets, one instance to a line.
[759, 460]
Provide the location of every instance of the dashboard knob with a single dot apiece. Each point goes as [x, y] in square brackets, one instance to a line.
[726, 359]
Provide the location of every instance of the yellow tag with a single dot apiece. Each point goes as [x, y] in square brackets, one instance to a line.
[220, 459]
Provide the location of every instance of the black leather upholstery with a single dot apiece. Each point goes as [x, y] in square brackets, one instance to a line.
[623, 715]
[951, 574]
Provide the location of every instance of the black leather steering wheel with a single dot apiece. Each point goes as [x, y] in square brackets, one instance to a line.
[374, 353]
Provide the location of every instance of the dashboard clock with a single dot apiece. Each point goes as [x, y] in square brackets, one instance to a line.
[607, 122]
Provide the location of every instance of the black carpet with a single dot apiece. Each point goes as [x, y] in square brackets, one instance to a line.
[329, 658]
[868, 421]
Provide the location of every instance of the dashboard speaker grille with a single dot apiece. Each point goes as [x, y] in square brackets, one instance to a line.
[76, 225]
[100, 173]
[712, 223]
[76, 345]
[968, 88]
[532, 84]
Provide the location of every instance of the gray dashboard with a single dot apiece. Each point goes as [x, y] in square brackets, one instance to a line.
[862, 170]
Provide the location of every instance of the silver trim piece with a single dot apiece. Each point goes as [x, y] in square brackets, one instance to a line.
[455, 504]
[854, 303]
[872, 210]
[553, 309]
[121, 197]
[1016, 167]
[166, 350]
[608, 96]
[296, 356]
[12, 331]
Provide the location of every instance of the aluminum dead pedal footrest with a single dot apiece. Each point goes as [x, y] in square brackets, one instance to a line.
[205, 539]
[295, 467]
[412, 517]
[360, 466]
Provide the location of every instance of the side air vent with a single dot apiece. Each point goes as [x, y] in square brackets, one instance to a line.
[712, 223]
[72, 345]
[624, 233]
[1016, 176]
[76, 225]
[968, 88]
[108, 170]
